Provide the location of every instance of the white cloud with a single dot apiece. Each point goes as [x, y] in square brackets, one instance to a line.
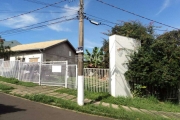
[91, 44]
[164, 6]
[69, 12]
[20, 21]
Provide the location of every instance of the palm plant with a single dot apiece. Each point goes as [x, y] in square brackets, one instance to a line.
[94, 59]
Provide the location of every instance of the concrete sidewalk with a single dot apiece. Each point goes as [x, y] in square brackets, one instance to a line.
[50, 91]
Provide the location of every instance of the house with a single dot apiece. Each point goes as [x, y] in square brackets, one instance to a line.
[11, 43]
[54, 50]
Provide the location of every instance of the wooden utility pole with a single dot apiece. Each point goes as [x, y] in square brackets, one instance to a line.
[80, 98]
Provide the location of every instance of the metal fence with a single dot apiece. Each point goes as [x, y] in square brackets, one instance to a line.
[55, 73]
[96, 80]
[29, 72]
[46, 73]
[72, 76]
[9, 69]
[1, 66]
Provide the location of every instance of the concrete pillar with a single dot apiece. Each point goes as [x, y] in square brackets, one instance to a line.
[119, 48]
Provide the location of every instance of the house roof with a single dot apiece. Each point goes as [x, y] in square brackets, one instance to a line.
[11, 43]
[37, 46]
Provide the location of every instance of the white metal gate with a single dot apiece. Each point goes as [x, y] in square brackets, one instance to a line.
[54, 73]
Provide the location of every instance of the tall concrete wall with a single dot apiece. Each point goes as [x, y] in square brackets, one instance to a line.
[119, 48]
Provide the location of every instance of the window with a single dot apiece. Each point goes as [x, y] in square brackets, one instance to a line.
[23, 59]
[69, 53]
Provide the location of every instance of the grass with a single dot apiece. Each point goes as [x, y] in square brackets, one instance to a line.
[92, 109]
[150, 103]
[5, 88]
[17, 82]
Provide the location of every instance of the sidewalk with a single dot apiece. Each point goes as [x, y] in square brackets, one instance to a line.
[50, 91]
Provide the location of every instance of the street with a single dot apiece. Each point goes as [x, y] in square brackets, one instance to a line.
[14, 108]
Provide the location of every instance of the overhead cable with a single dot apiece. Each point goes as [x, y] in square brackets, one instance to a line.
[41, 26]
[26, 27]
[136, 14]
[43, 3]
[32, 10]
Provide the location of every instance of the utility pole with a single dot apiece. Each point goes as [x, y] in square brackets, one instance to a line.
[80, 97]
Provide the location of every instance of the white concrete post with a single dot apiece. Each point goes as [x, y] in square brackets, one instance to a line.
[80, 98]
[66, 74]
[119, 48]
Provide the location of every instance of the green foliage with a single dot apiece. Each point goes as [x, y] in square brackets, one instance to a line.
[105, 48]
[40, 98]
[133, 29]
[5, 51]
[17, 82]
[5, 87]
[94, 59]
[158, 63]
[137, 92]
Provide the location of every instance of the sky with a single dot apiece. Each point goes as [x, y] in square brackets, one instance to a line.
[67, 25]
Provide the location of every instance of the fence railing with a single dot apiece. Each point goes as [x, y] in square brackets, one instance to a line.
[55, 73]
[96, 79]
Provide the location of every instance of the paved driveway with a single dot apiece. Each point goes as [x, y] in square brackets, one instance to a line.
[13, 108]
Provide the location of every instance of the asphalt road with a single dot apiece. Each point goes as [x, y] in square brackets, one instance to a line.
[14, 108]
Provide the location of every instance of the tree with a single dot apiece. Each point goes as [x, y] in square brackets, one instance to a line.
[105, 49]
[94, 59]
[5, 51]
[133, 29]
[157, 65]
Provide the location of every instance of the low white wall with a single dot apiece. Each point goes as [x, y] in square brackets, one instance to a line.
[119, 48]
[27, 57]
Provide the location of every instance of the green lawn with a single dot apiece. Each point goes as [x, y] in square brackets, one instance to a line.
[150, 103]
[5, 88]
[17, 82]
[93, 109]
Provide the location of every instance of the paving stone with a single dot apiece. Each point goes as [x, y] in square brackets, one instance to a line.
[146, 111]
[61, 95]
[126, 108]
[97, 103]
[105, 104]
[87, 100]
[52, 94]
[74, 100]
[114, 106]
[169, 114]
[69, 97]
[135, 109]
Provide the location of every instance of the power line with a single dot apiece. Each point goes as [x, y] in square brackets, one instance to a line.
[25, 27]
[41, 26]
[32, 10]
[43, 3]
[136, 14]
[101, 19]
[7, 11]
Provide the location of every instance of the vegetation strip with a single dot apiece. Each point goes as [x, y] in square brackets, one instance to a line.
[17, 82]
[92, 109]
[150, 103]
